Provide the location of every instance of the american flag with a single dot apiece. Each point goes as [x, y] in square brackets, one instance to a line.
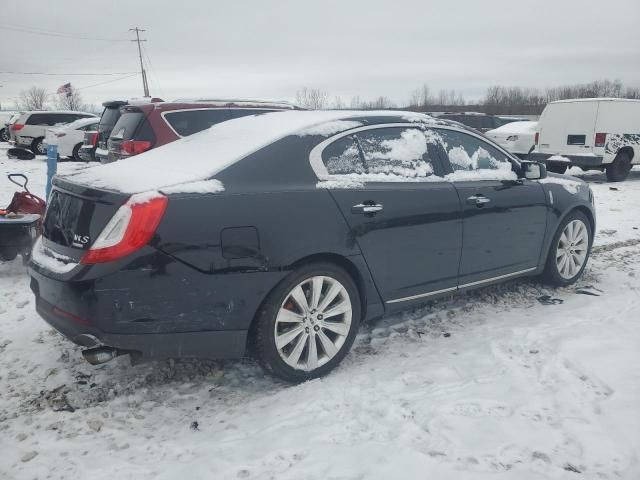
[66, 88]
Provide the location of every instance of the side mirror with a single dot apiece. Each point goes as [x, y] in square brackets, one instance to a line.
[533, 170]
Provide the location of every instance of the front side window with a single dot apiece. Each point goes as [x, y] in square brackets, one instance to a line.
[395, 151]
[342, 157]
[469, 153]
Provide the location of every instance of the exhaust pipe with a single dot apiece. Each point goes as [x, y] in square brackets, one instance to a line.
[100, 355]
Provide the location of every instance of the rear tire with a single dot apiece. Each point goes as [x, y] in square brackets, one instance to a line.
[4, 135]
[297, 334]
[37, 146]
[619, 169]
[570, 249]
[557, 168]
[76, 153]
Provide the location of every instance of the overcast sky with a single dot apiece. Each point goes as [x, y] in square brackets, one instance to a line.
[269, 49]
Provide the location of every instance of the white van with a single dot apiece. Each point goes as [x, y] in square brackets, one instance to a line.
[591, 133]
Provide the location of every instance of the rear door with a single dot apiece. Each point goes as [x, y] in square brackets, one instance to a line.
[402, 214]
[504, 218]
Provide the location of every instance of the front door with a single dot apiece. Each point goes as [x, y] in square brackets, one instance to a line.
[504, 218]
[404, 217]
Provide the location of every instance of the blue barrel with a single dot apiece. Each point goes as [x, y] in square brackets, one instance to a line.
[52, 165]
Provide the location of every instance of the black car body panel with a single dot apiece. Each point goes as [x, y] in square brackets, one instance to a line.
[194, 290]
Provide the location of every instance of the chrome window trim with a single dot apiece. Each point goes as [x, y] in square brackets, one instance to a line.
[459, 287]
[319, 168]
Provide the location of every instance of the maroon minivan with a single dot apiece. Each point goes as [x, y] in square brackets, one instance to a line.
[143, 126]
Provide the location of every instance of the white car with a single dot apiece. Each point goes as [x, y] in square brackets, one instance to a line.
[591, 133]
[515, 137]
[71, 136]
[29, 129]
[5, 116]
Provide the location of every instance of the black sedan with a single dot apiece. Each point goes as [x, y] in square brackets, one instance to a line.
[278, 234]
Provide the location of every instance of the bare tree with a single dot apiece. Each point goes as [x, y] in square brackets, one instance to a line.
[355, 102]
[33, 98]
[338, 104]
[312, 98]
[70, 100]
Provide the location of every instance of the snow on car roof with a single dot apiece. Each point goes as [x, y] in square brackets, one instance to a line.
[602, 99]
[81, 123]
[204, 154]
[517, 127]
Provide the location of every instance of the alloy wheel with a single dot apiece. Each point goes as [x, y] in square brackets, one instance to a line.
[571, 252]
[313, 323]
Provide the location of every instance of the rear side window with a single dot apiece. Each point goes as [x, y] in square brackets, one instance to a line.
[469, 153]
[42, 119]
[188, 122]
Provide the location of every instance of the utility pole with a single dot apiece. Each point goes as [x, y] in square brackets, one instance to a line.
[145, 86]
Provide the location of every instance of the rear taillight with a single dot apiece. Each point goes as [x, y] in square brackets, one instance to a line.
[93, 141]
[537, 137]
[601, 139]
[17, 126]
[130, 229]
[134, 147]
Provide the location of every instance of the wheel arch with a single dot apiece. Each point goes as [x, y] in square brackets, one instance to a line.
[339, 260]
[578, 208]
[627, 149]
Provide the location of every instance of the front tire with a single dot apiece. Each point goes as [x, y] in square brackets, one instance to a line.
[4, 135]
[557, 168]
[37, 146]
[570, 250]
[618, 170]
[308, 323]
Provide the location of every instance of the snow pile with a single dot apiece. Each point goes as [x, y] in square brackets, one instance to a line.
[571, 186]
[50, 260]
[201, 156]
[202, 186]
[330, 128]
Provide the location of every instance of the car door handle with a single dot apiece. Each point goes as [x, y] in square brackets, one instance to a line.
[478, 200]
[363, 208]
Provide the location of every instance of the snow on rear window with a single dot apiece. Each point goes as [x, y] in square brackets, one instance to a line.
[204, 154]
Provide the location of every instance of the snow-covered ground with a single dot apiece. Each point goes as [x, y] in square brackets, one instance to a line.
[496, 383]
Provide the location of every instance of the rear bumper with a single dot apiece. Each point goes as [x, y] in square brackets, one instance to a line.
[214, 344]
[87, 153]
[577, 160]
[176, 312]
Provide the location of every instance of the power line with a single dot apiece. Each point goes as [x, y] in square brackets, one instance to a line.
[34, 31]
[68, 74]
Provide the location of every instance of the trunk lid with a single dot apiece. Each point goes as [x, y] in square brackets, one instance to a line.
[131, 126]
[76, 214]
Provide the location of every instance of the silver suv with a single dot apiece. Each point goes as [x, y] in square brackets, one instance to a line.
[29, 130]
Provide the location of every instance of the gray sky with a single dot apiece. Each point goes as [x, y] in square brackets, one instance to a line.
[269, 49]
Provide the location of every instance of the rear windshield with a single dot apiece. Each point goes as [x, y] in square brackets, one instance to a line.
[110, 116]
[188, 122]
[128, 125]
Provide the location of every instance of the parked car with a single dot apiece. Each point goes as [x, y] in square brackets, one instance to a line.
[97, 138]
[515, 137]
[591, 133]
[478, 121]
[284, 231]
[5, 116]
[71, 136]
[30, 128]
[142, 127]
